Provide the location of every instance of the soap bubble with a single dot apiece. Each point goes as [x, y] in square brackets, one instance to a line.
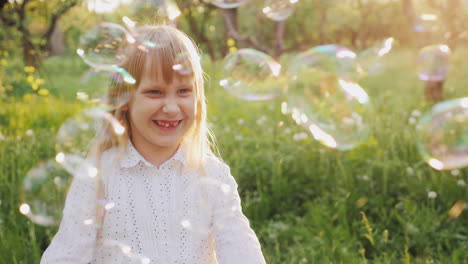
[335, 59]
[333, 108]
[43, 193]
[370, 60]
[433, 62]
[251, 75]
[104, 88]
[443, 135]
[101, 46]
[279, 10]
[228, 3]
[77, 135]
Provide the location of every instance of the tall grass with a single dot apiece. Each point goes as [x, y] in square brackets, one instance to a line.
[307, 203]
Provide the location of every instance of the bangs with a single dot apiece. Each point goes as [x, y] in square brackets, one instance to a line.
[168, 63]
[171, 58]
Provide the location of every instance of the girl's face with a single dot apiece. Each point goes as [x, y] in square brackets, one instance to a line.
[161, 113]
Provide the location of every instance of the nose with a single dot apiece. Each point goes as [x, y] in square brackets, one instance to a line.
[171, 106]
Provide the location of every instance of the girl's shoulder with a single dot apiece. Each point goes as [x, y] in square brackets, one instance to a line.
[216, 169]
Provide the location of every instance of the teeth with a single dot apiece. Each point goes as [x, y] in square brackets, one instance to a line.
[167, 124]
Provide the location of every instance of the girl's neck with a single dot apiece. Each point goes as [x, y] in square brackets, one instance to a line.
[156, 156]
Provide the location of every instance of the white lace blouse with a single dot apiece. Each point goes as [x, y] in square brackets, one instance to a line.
[155, 215]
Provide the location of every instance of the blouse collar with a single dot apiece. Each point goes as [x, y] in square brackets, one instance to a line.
[133, 157]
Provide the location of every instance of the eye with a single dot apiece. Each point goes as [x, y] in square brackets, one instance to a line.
[154, 92]
[185, 90]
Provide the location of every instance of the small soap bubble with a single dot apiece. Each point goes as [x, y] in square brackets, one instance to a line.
[433, 63]
[43, 193]
[251, 75]
[278, 10]
[226, 4]
[443, 135]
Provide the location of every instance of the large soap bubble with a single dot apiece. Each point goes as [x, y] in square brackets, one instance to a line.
[104, 88]
[443, 135]
[321, 99]
[251, 75]
[433, 62]
[101, 45]
[278, 10]
[43, 193]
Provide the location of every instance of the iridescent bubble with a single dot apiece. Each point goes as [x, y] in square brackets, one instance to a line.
[101, 46]
[251, 75]
[333, 108]
[370, 60]
[228, 3]
[433, 63]
[443, 135]
[279, 10]
[104, 88]
[122, 253]
[77, 135]
[43, 193]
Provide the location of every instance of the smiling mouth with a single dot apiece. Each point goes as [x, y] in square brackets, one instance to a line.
[167, 123]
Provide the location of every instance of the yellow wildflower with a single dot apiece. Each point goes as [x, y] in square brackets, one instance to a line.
[232, 49]
[230, 42]
[29, 69]
[3, 62]
[34, 86]
[43, 92]
[30, 79]
[40, 81]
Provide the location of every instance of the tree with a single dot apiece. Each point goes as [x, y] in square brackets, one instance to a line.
[19, 15]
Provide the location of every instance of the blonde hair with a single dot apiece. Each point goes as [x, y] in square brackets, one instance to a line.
[170, 43]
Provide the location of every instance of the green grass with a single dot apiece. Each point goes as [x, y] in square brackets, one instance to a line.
[307, 203]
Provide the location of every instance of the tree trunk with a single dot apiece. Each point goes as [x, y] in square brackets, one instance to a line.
[57, 42]
[434, 91]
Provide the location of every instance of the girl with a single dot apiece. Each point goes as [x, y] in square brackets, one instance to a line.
[169, 199]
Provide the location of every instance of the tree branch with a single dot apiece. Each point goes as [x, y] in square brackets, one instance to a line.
[53, 20]
[230, 19]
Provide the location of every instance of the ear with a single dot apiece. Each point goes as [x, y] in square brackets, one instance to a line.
[124, 107]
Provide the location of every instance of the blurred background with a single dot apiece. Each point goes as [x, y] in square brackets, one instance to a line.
[315, 188]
